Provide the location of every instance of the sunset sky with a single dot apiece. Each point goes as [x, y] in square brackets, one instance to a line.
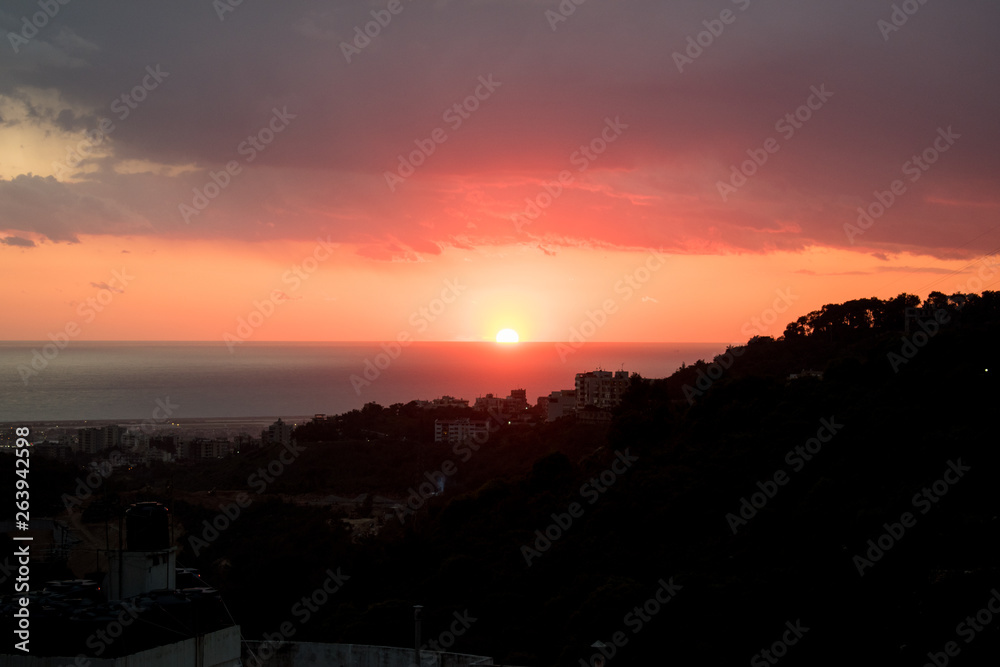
[183, 165]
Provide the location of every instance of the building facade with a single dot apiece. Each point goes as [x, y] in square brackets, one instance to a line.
[460, 430]
[560, 403]
[96, 440]
[600, 389]
[278, 433]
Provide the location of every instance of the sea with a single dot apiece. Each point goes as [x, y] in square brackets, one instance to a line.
[93, 381]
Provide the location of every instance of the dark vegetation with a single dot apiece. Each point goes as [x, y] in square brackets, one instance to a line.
[666, 516]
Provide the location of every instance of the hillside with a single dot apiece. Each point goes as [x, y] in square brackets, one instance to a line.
[727, 510]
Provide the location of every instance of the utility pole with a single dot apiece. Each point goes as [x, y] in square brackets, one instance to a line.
[417, 609]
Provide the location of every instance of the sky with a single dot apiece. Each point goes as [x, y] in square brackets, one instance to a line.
[347, 171]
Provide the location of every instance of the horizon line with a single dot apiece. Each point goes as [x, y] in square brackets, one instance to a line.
[379, 342]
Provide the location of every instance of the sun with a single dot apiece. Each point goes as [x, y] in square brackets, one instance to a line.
[507, 336]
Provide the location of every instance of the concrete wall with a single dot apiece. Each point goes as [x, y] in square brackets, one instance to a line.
[141, 572]
[216, 649]
[305, 654]
[7, 660]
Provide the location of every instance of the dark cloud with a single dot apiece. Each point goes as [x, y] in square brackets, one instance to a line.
[104, 285]
[547, 251]
[17, 241]
[61, 211]
[655, 185]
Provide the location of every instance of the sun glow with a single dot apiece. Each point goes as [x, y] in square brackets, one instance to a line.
[507, 336]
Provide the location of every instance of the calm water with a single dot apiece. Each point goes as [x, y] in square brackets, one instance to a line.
[124, 380]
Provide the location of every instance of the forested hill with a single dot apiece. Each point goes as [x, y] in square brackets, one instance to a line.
[903, 456]
[845, 516]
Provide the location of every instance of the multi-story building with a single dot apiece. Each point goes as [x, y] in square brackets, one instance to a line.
[54, 450]
[489, 403]
[601, 389]
[278, 433]
[210, 449]
[245, 442]
[460, 430]
[96, 440]
[514, 405]
[560, 403]
[90, 440]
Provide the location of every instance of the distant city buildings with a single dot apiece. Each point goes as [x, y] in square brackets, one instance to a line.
[134, 444]
[460, 430]
[201, 448]
[594, 396]
[96, 440]
[54, 450]
[244, 442]
[443, 402]
[806, 374]
[515, 405]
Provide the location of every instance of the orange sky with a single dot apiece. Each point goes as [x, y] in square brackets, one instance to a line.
[199, 290]
[536, 164]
